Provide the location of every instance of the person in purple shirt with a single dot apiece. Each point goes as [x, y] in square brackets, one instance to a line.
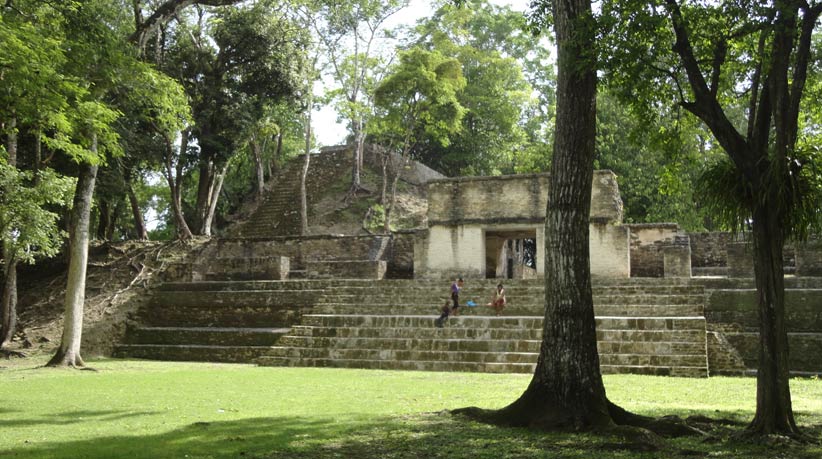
[455, 303]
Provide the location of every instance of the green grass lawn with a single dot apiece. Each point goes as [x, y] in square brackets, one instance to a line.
[186, 410]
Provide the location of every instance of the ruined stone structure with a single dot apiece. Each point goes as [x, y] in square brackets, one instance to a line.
[667, 302]
[470, 217]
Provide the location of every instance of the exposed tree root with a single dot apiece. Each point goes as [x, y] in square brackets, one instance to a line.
[632, 431]
[8, 354]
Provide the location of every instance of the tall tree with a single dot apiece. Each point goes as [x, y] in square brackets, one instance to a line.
[566, 391]
[232, 64]
[418, 99]
[764, 50]
[504, 96]
[349, 32]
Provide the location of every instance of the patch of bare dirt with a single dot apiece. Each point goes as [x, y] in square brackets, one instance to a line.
[118, 278]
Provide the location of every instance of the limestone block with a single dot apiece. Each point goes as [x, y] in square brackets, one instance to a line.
[809, 258]
[740, 259]
[610, 251]
[245, 268]
[677, 260]
[347, 269]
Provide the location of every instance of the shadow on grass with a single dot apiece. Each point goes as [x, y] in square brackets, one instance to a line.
[73, 417]
[421, 436]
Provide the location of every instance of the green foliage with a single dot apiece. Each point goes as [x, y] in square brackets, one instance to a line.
[27, 225]
[508, 96]
[419, 99]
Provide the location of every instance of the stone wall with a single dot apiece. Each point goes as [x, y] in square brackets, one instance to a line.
[647, 241]
[401, 261]
[710, 250]
[300, 249]
[511, 199]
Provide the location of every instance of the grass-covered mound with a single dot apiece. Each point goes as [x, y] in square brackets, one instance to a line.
[176, 410]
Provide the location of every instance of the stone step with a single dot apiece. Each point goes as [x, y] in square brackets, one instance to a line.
[267, 316]
[422, 321]
[402, 355]
[662, 360]
[233, 299]
[194, 353]
[805, 354]
[512, 309]
[492, 333]
[257, 285]
[476, 367]
[214, 336]
[511, 299]
[678, 371]
[474, 345]
[420, 333]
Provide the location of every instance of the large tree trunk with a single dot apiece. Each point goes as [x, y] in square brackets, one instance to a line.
[774, 413]
[566, 391]
[69, 352]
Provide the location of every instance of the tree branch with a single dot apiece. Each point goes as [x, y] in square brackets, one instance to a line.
[705, 106]
[164, 13]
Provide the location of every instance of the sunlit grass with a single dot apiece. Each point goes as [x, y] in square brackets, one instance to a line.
[159, 409]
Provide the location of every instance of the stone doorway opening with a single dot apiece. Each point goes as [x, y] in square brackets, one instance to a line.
[511, 254]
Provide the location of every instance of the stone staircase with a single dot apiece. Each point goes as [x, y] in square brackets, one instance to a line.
[279, 213]
[643, 326]
[217, 321]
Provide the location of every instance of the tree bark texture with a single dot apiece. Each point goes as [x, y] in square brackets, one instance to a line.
[304, 176]
[69, 352]
[8, 317]
[566, 391]
[214, 198]
[776, 92]
[139, 223]
[8, 303]
[774, 413]
[205, 189]
[104, 219]
[174, 176]
[258, 167]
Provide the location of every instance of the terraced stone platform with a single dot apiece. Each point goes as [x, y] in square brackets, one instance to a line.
[644, 326]
[648, 327]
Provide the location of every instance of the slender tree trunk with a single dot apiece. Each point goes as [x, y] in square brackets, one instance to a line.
[304, 176]
[69, 352]
[137, 213]
[8, 303]
[8, 318]
[205, 186]
[359, 140]
[774, 413]
[278, 155]
[389, 207]
[104, 219]
[258, 163]
[386, 158]
[174, 177]
[215, 196]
